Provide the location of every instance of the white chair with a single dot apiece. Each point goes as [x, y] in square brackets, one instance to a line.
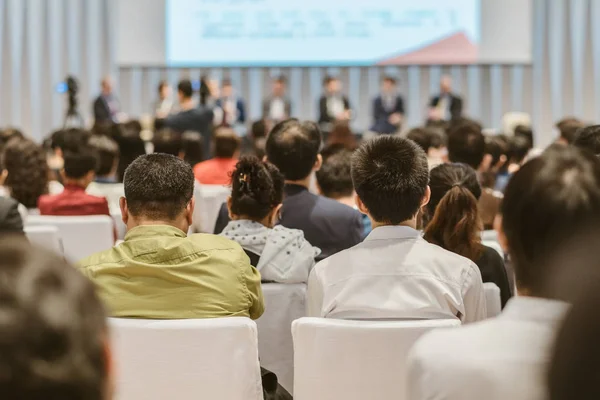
[354, 360]
[493, 300]
[186, 359]
[284, 303]
[46, 237]
[81, 236]
[209, 199]
[119, 225]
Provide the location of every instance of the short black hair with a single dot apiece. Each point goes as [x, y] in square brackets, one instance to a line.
[192, 146]
[588, 139]
[256, 188]
[526, 132]
[390, 176]
[519, 148]
[389, 78]
[293, 147]
[466, 144]
[185, 88]
[52, 330]
[328, 79]
[549, 199]
[335, 176]
[167, 141]
[568, 127]
[227, 143]
[131, 145]
[158, 186]
[79, 163]
[107, 152]
[70, 140]
[421, 137]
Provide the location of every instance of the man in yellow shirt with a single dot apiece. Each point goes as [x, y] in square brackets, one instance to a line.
[159, 272]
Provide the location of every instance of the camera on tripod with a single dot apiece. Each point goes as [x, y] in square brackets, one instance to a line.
[71, 87]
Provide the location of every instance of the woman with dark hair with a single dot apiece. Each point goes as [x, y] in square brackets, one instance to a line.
[280, 254]
[131, 145]
[454, 222]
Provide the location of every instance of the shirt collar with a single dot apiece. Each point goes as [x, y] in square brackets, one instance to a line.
[291, 189]
[144, 231]
[535, 309]
[74, 188]
[393, 232]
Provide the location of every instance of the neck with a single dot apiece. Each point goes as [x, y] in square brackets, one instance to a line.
[187, 104]
[412, 223]
[265, 221]
[182, 225]
[348, 200]
[82, 183]
[302, 182]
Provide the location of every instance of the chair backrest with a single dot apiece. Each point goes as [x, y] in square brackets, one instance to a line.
[186, 359]
[284, 303]
[119, 225]
[354, 360]
[493, 300]
[46, 237]
[209, 199]
[81, 236]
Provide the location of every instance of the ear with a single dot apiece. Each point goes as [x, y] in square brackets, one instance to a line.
[229, 202]
[189, 211]
[318, 163]
[426, 197]
[274, 214]
[3, 177]
[360, 205]
[124, 210]
[499, 228]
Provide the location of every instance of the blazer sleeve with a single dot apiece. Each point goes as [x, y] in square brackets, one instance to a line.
[400, 105]
[288, 108]
[241, 106]
[100, 111]
[377, 109]
[457, 107]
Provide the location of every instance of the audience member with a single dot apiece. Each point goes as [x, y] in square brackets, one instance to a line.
[293, 147]
[588, 139]
[446, 105]
[494, 171]
[131, 146]
[394, 273]
[10, 217]
[388, 108]
[167, 141]
[259, 132]
[25, 172]
[454, 223]
[525, 132]
[78, 172]
[280, 254]
[333, 105]
[192, 150]
[164, 104]
[567, 128]
[217, 171]
[106, 106]
[341, 134]
[545, 204]
[53, 334]
[278, 106]
[8, 134]
[62, 141]
[105, 183]
[432, 143]
[233, 107]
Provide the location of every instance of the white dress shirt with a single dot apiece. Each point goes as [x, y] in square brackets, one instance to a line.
[396, 274]
[498, 359]
[277, 109]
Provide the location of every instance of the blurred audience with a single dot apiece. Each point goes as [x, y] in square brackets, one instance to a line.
[341, 135]
[192, 150]
[105, 183]
[233, 107]
[388, 108]
[394, 273]
[217, 171]
[588, 139]
[432, 142]
[131, 146]
[446, 105]
[567, 128]
[167, 141]
[7, 134]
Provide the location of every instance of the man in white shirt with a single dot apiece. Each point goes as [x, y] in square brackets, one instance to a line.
[546, 202]
[394, 273]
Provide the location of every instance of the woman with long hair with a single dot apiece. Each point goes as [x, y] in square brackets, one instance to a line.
[453, 222]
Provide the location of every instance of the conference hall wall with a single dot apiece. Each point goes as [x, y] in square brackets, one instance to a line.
[41, 41]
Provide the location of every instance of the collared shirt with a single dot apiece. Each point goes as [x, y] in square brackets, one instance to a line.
[160, 273]
[73, 201]
[501, 358]
[396, 274]
[277, 109]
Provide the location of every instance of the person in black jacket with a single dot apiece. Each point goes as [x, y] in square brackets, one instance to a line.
[333, 105]
[106, 106]
[454, 223]
[388, 108]
[446, 105]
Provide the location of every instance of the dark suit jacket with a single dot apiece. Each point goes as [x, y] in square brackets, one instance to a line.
[267, 107]
[456, 105]
[241, 109]
[381, 115]
[326, 223]
[196, 120]
[102, 111]
[324, 116]
[10, 219]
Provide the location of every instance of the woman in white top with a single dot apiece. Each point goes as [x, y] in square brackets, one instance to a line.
[280, 254]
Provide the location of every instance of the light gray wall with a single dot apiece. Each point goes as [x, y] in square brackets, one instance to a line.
[43, 40]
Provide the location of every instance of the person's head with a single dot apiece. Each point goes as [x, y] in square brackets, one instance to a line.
[341, 134]
[185, 90]
[526, 132]
[568, 127]
[466, 144]
[332, 85]
[446, 84]
[107, 85]
[390, 176]
[227, 143]
[334, 179]
[519, 148]
[588, 139]
[226, 88]
[53, 333]
[164, 90]
[159, 189]
[421, 137]
[25, 171]
[549, 199]
[192, 150]
[452, 214]
[69, 140]
[293, 147]
[167, 141]
[80, 167]
[131, 146]
[8, 134]
[388, 85]
[256, 191]
[107, 152]
[279, 86]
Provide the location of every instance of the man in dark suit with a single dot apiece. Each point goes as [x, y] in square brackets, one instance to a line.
[333, 105]
[106, 106]
[234, 109]
[277, 107]
[445, 106]
[293, 147]
[388, 108]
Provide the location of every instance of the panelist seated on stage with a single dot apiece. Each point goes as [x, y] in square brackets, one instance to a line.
[106, 106]
[277, 107]
[446, 105]
[334, 105]
[388, 108]
[233, 107]
[164, 105]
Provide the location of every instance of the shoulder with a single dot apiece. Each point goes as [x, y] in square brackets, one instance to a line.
[105, 257]
[337, 208]
[216, 242]
[491, 255]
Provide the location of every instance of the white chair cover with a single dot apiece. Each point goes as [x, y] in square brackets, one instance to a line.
[186, 359]
[354, 360]
[81, 236]
[46, 237]
[284, 303]
[119, 224]
[209, 199]
[493, 300]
